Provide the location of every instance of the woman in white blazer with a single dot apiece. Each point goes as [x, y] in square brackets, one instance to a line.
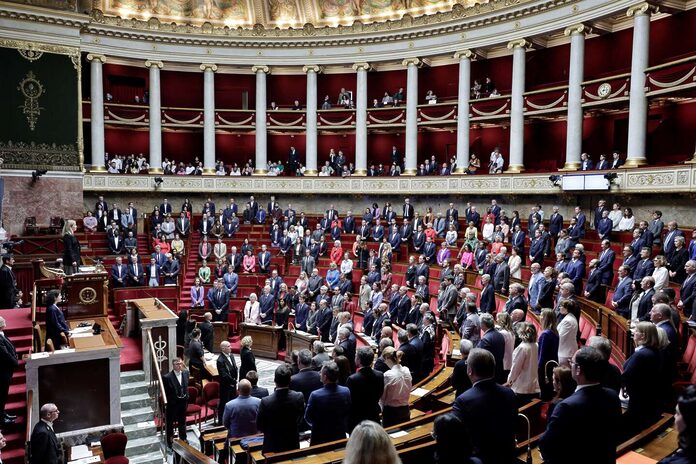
[524, 374]
[252, 313]
[567, 333]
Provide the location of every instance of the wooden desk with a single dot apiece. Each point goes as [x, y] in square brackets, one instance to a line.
[298, 340]
[435, 382]
[153, 315]
[108, 336]
[265, 337]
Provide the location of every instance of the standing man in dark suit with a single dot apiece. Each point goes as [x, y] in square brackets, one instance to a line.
[206, 328]
[494, 342]
[165, 208]
[623, 292]
[672, 233]
[176, 390]
[452, 216]
[408, 211]
[487, 301]
[55, 320]
[170, 269]
[518, 240]
[599, 211]
[8, 363]
[366, 387]
[687, 293]
[280, 414]
[606, 263]
[227, 370]
[594, 290]
[488, 410]
[328, 408]
[218, 301]
[136, 272]
[45, 448]
[604, 226]
[9, 293]
[577, 416]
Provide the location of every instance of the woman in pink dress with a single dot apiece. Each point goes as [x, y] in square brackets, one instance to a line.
[249, 263]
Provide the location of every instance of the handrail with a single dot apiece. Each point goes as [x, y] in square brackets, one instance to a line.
[30, 421]
[606, 78]
[153, 359]
[670, 63]
[33, 305]
[550, 89]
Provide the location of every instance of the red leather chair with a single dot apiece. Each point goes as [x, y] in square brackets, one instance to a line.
[211, 397]
[114, 445]
[193, 408]
[117, 460]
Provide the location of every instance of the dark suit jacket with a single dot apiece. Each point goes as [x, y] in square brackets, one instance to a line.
[176, 393]
[55, 325]
[645, 305]
[366, 387]
[279, 417]
[45, 448]
[327, 413]
[622, 294]
[460, 379]
[248, 361]
[687, 294]
[593, 286]
[487, 301]
[71, 250]
[206, 335]
[642, 381]
[545, 298]
[555, 224]
[645, 267]
[305, 382]
[228, 378]
[489, 411]
[577, 417]
[494, 342]
[8, 288]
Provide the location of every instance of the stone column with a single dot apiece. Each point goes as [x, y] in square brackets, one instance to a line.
[465, 58]
[261, 145]
[208, 117]
[361, 119]
[155, 115]
[97, 110]
[575, 78]
[638, 102]
[411, 165]
[516, 162]
[311, 134]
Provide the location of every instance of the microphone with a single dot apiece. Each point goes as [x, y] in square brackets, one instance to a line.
[294, 328]
[529, 438]
[546, 370]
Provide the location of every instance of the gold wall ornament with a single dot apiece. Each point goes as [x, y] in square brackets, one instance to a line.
[88, 295]
[31, 54]
[32, 90]
[21, 155]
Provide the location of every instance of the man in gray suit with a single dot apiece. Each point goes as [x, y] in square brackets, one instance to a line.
[448, 302]
[307, 264]
[655, 227]
[501, 278]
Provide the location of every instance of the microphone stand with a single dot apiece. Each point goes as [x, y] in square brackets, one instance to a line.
[529, 438]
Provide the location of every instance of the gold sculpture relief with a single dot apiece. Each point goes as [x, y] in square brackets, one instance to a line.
[30, 54]
[20, 155]
[32, 90]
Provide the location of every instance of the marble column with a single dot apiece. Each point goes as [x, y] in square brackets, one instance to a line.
[208, 117]
[261, 142]
[638, 102]
[155, 115]
[361, 119]
[465, 58]
[516, 160]
[311, 119]
[575, 78]
[97, 110]
[411, 165]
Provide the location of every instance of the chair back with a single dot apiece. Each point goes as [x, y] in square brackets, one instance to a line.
[114, 444]
[192, 395]
[211, 391]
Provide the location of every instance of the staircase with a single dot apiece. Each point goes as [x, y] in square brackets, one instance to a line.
[139, 420]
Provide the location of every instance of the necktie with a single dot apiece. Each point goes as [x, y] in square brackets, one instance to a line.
[119, 271]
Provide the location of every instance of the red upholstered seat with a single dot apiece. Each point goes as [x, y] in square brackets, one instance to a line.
[117, 460]
[114, 444]
[211, 396]
[193, 409]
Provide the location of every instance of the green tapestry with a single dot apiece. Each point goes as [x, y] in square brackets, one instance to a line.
[39, 117]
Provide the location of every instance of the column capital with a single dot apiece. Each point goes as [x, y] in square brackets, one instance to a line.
[466, 53]
[519, 43]
[155, 63]
[313, 68]
[581, 28]
[412, 61]
[362, 66]
[641, 9]
[96, 57]
[208, 66]
[260, 68]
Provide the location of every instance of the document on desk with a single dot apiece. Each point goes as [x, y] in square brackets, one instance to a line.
[419, 392]
[398, 434]
[79, 330]
[79, 452]
[456, 353]
[88, 460]
[82, 334]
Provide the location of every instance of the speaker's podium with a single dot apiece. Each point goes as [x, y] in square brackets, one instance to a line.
[265, 338]
[82, 379]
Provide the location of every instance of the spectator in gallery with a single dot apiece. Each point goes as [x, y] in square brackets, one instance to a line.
[296, 105]
[488, 87]
[399, 96]
[273, 106]
[474, 164]
[376, 103]
[495, 93]
[476, 90]
[387, 99]
[235, 171]
[602, 164]
[585, 162]
[326, 105]
[616, 162]
[430, 97]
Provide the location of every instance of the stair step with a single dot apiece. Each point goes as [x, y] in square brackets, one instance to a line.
[140, 429]
[135, 415]
[154, 457]
[134, 388]
[143, 445]
[132, 376]
[135, 401]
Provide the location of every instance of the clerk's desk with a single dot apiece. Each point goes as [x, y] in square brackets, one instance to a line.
[151, 315]
[297, 340]
[83, 380]
[265, 338]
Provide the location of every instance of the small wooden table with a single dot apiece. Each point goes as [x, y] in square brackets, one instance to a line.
[298, 340]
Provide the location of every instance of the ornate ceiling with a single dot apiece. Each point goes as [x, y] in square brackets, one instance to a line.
[271, 14]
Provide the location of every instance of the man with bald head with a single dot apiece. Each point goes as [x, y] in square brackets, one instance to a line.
[228, 373]
[240, 414]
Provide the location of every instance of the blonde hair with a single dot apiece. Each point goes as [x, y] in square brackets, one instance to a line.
[392, 354]
[67, 227]
[649, 331]
[246, 342]
[370, 444]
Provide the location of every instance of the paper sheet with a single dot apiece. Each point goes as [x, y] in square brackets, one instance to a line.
[398, 434]
[456, 353]
[88, 460]
[419, 392]
[80, 451]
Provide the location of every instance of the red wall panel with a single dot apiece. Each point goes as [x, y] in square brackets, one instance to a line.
[326, 142]
[285, 89]
[182, 89]
[442, 80]
[124, 82]
[544, 145]
[182, 146]
[235, 148]
[547, 66]
[331, 84]
[608, 54]
[126, 141]
[279, 147]
[379, 148]
[442, 144]
[482, 141]
[671, 134]
[230, 87]
[385, 81]
[673, 37]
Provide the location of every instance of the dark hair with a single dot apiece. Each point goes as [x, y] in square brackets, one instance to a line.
[566, 381]
[304, 358]
[52, 297]
[330, 370]
[669, 291]
[365, 356]
[452, 440]
[253, 377]
[482, 363]
[282, 376]
[592, 363]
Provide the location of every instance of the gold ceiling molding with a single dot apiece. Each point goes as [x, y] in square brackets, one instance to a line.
[448, 22]
[38, 47]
